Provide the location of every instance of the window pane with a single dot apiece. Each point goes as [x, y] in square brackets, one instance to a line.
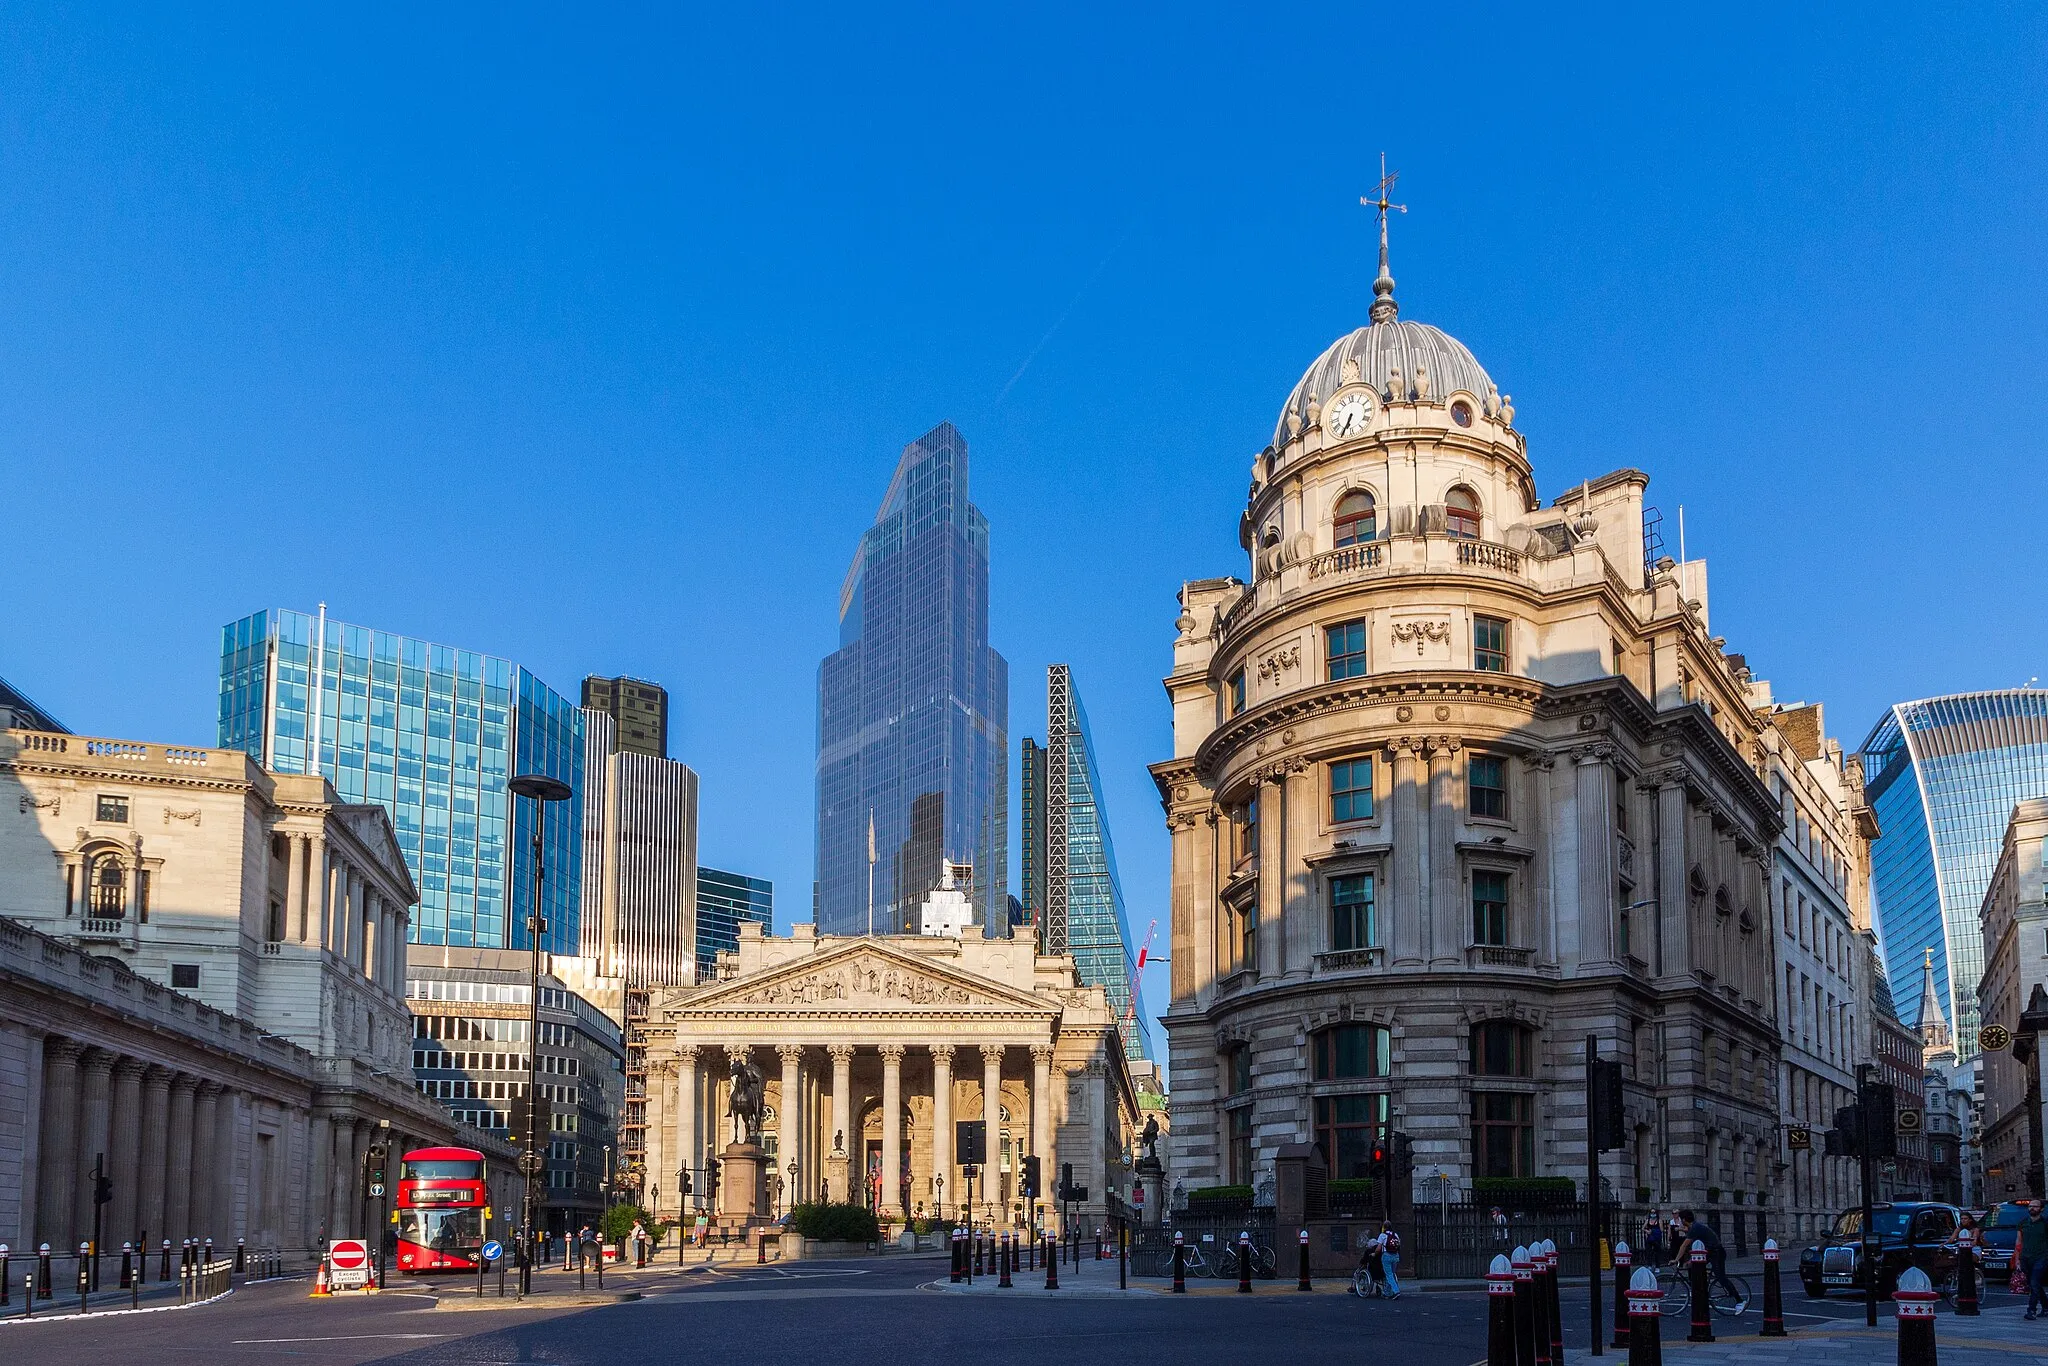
[1489, 907]
[1345, 650]
[1351, 790]
[1490, 644]
[1352, 919]
[1486, 783]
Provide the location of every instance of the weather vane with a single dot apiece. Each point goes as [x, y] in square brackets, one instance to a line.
[1384, 309]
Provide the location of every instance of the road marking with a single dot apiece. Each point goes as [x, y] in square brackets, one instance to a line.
[352, 1337]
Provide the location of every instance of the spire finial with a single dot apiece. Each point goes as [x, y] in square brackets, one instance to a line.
[1384, 309]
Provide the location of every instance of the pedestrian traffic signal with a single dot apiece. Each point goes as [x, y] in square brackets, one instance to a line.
[1031, 1174]
[1376, 1162]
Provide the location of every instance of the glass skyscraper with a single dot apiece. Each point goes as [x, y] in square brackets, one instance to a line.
[1942, 776]
[1079, 901]
[724, 902]
[913, 711]
[433, 734]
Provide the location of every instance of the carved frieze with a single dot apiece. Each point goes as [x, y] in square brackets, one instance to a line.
[871, 981]
[29, 804]
[1284, 658]
[1423, 632]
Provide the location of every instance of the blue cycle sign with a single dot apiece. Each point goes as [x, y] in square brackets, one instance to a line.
[493, 1251]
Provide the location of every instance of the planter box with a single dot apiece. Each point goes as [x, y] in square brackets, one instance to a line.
[815, 1248]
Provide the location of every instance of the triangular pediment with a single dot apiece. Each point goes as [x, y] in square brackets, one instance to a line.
[371, 825]
[860, 978]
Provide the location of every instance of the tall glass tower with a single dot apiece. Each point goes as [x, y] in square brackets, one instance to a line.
[433, 734]
[1079, 900]
[913, 710]
[725, 901]
[1942, 776]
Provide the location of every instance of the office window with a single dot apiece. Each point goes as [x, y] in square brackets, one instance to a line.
[1356, 518]
[1344, 648]
[1502, 1048]
[1248, 933]
[113, 809]
[185, 976]
[1353, 917]
[1241, 1145]
[1346, 1051]
[1351, 790]
[1503, 1134]
[1490, 645]
[1235, 690]
[1346, 1129]
[1486, 786]
[1489, 907]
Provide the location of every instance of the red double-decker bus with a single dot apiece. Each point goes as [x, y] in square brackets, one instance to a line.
[442, 1207]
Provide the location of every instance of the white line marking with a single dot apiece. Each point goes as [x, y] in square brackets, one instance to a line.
[353, 1337]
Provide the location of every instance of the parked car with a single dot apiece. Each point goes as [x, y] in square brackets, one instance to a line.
[1997, 1230]
[1909, 1233]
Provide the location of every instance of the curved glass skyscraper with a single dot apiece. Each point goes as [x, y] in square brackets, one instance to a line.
[1943, 775]
[913, 711]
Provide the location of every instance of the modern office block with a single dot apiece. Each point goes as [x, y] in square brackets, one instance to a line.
[1943, 776]
[725, 901]
[639, 898]
[913, 710]
[638, 709]
[433, 734]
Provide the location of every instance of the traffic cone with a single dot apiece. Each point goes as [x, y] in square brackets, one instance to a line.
[320, 1280]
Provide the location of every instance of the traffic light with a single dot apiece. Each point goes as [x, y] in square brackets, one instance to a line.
[1846, 1138]
[1376, 1161]
[373, 1163]
[102, 1190]
[1404, 1156]
[1066, 1180]
[713, 1182]
[1603, 1094]
[970, 1142]
[1879, 1103]
[683, 1177]
[1031, 1173]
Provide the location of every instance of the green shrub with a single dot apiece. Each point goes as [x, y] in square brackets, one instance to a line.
[836, 1223]
[1524, 1190]
[1219, 1193]
[1351, 1185]
[619, 1220]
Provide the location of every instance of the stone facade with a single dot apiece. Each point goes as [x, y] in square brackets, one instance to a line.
[2015, 923]
[872, 1048]
[1459, 779]
[200, 980]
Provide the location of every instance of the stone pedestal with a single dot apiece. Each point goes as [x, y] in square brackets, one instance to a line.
[739, 1182]
[1151, 1175]
[836, 1172]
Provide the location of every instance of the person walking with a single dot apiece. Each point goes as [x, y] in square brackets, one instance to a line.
[2032, 1247]
[1653, 1239]
[1390, 1259]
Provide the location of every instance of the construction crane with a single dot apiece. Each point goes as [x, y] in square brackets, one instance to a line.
[1138, 975]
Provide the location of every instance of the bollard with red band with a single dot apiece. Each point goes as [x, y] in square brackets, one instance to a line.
[1003, 1281]
[1539, 1302]
[1525, 1307]
[1645, 1319]
[978, 1263]
[1180, 1264]
[1623, 1259]
[1774, 1293]
[1052, 1264]
[1500, 1313]
[1244, 1263]
[954, 1274]
[1304, 1285]
[1915, 1298]
[1556, 1307]
[1966, 1274]
[1702, 1329]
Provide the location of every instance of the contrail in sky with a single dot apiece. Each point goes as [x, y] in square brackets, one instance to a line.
[1085, 286]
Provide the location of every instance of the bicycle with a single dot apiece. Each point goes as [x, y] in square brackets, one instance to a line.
[1264, 1261]
[1729, 1296]
[1193, 1263]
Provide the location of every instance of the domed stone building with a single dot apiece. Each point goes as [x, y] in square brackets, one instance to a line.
[1460, 778]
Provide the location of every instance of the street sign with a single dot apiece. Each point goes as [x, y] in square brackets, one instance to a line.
[493, 1250]
[531, 1163]
[1799, 1138]
[1909, 1121]
[348, 1262]
[376, 1188]
[1994, 1038]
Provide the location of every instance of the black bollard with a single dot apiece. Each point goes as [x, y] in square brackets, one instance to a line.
[1966, 1275]
[1702, 1313]
[127, 1265]
[1915, 1298]
[1052, 1267]
[953, 1274]
[980, 1268]
[1539, 1302]
[1525, 1308]
[238, 1256]
[1645, 1335]
[1556, 1307]
[164, 1272]
[6, 1280]
[1304, 1285]
[1016, 1250]
[1123, 1257]
[43, 1286]
[84, 1273]
[1244, 1263]
[1623, 1259]
[1500, 1313]
[1180, 1265]
[1003, 1259]
[1774, 1293]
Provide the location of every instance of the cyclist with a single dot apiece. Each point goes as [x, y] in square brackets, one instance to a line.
[1698, 1231]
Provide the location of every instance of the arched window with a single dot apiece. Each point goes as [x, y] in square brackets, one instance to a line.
[1357, 520]
[109, 888]
[1461, 513]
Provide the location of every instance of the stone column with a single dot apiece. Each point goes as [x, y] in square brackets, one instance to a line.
[178, 1159]
[1041, 1108]
[991, 1181]
[231, 1165]
[789, 1117]
[295, 888]
[1272, 882]
[1595, 871]
[320, 1162]
[686, 1118]
[152, 1158]
[1449, 913]
[1673, 951]
[892, 1129]
[124, 1149]
[842, 1119]
[55, 1204]
[340, 1217]
[318, 885]
[942, 1123]
[96, 1088]
[207, 1161]
[1407, 899]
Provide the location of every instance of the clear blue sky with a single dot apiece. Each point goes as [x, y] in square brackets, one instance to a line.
[590, 340]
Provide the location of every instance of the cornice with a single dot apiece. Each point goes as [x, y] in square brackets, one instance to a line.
[16, 764]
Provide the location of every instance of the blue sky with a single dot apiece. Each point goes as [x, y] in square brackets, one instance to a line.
[590, 339]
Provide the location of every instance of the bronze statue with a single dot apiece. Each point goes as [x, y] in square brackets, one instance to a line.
[744, 1105]
[1149, 1138]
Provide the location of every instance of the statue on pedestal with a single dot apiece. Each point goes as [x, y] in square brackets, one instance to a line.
[748, 1094]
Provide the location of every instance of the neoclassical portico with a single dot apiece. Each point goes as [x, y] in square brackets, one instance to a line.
[873, 1049]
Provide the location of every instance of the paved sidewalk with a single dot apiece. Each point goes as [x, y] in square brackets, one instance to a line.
[1999, 1337]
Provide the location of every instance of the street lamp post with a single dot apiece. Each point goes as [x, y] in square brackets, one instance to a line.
[540, 789]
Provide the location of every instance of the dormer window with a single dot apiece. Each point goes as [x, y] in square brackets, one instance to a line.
[1461, 514]
[1357, 519]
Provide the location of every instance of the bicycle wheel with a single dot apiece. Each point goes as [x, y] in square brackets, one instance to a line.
[1731, 1299]
[1265, 1261]
[1677, 1301]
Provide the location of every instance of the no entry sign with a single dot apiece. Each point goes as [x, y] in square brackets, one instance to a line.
[348, 1263]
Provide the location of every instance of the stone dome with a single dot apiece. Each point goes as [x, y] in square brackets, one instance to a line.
[1382, 349]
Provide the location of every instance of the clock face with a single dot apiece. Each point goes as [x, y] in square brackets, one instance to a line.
[1349, 416]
